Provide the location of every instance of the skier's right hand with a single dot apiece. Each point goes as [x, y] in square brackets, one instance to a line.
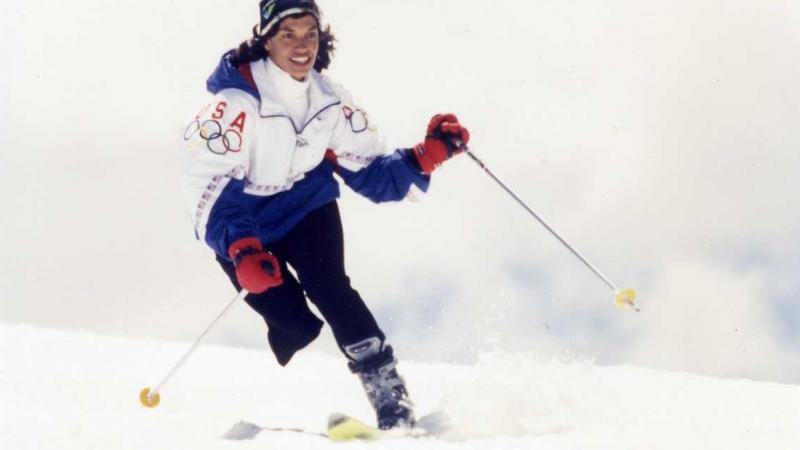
[256, 269]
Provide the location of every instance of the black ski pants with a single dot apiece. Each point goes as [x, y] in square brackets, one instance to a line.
[314, 248]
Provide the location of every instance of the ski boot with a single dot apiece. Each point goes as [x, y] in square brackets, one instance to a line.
[375, 364]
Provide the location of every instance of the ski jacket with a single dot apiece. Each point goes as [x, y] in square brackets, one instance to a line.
[251, 171]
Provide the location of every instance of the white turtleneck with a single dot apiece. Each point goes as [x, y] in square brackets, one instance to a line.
[293, 93]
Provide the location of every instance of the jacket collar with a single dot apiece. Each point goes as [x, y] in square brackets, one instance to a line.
[227, 76]
[321, 95]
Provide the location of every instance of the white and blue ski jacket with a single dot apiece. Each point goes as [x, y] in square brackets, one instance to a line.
[251, 171]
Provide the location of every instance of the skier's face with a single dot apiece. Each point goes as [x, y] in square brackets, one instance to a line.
[294, 49]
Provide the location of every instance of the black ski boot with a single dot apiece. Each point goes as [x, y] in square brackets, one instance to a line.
[375, 364]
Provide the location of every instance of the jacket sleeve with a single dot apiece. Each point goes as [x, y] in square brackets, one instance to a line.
[216, 162]
[363, 161]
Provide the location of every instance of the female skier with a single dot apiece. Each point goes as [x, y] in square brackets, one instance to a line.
[260, 177]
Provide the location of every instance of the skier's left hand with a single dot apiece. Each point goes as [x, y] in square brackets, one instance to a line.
[445, 138]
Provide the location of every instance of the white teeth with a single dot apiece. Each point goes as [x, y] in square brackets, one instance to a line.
[301, 60]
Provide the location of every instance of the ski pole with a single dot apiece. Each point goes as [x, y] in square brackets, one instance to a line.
[622, 297]
[150, 397]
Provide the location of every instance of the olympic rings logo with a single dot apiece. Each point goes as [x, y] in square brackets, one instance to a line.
[217, 141]
[357, 119]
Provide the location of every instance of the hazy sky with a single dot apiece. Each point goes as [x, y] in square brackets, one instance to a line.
[661, 140]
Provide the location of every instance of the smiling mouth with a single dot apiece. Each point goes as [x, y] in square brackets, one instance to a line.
[301, 60]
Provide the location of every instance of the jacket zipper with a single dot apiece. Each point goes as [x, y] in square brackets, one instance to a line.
[308, 122]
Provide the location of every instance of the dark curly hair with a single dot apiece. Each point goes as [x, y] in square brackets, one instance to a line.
[254, 49]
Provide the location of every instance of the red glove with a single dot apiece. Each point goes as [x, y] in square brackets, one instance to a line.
[256, 269]
[446, 137]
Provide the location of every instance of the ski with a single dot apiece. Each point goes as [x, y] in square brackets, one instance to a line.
[243, 430]
[342, 427]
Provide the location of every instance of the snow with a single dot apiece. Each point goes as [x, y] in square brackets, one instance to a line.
[638, 131]
[73, 390]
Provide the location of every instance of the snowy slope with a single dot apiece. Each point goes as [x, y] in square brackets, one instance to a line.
[67, 390]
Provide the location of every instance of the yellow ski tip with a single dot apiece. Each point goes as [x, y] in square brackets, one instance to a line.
[345, 428]
[625, 297]
[147, 400]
